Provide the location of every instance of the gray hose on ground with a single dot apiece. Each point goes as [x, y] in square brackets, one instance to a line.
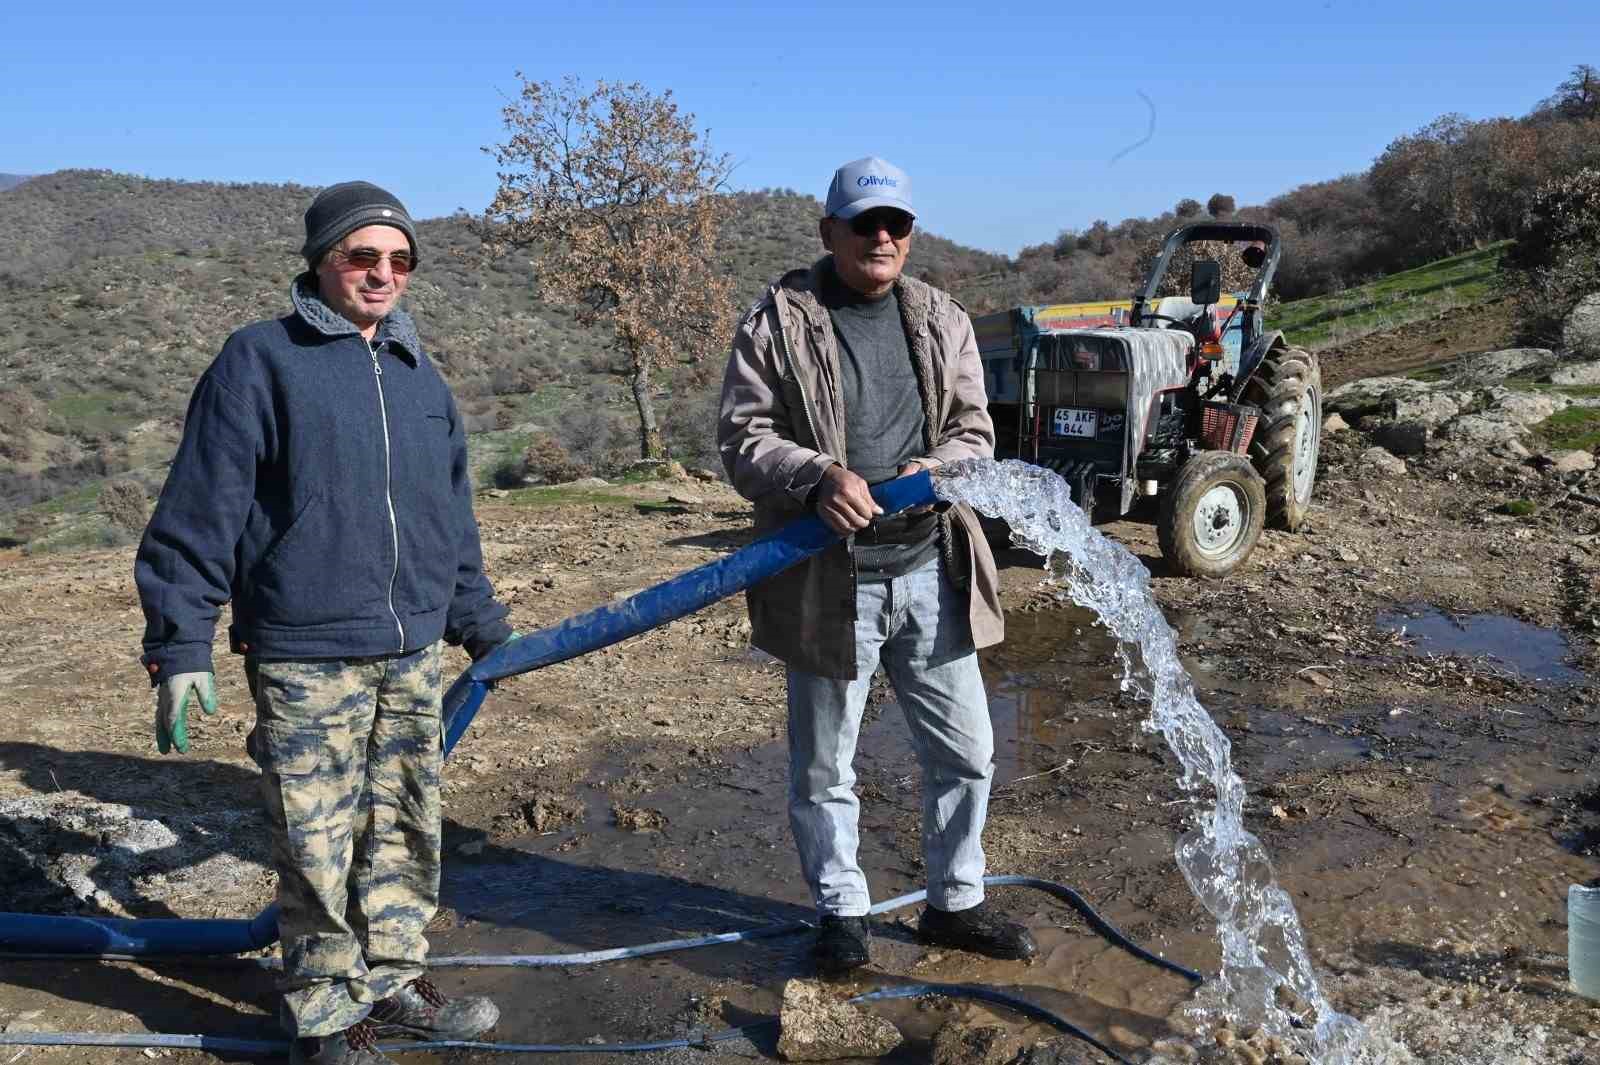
[1106, 929]
[268, 1046]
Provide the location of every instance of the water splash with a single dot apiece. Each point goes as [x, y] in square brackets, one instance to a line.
[1266, 980]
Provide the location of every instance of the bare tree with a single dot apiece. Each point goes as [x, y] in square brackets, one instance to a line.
[620, 193]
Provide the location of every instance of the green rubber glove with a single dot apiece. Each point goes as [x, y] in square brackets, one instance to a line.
[173, 697]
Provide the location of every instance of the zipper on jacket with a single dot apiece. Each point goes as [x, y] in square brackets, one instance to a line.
[388, 497]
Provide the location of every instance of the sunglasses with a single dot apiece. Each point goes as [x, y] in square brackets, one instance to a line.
[364, 259]
[896, 223]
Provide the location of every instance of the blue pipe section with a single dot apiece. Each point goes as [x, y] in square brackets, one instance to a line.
[601, 627]
[148, 936]
[667, 601]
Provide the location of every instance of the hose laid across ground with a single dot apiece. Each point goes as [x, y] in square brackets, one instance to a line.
[269, 1046]
[1108, 931]
[220, 1044]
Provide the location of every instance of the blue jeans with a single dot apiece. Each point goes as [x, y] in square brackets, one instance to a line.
[916, 626]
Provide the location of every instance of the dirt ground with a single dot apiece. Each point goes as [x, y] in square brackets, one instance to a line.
[1427, 806]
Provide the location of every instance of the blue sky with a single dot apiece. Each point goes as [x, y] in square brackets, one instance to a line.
[1007, 116]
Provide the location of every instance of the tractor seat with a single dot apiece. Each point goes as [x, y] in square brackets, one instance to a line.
[1176, 307]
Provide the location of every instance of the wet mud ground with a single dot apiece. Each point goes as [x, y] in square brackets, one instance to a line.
[1426, 805]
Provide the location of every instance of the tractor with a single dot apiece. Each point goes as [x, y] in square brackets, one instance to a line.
[1189, 400]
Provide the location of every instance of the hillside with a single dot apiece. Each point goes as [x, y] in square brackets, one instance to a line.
[121, 289]
[8, 181]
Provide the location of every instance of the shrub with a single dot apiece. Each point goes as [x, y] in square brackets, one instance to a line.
[1556, 260]
[125, 505]
[548, 460]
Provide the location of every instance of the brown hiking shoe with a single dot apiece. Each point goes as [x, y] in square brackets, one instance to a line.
[356, 1045]
[420, 1009]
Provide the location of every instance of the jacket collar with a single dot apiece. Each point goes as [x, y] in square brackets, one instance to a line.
[801, 288]
[397, 328]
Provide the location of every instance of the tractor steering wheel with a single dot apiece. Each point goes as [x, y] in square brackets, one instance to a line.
[1181, 323]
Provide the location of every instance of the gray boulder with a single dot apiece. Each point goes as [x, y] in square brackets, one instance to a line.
[817, 1025]
[1503, 414]
[1492, 367]
[1577, 373]
[1373, 397]
[1376, 460]
[1570, 461]
[1580, 333]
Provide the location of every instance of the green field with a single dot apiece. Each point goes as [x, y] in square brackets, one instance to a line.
[1391, 301]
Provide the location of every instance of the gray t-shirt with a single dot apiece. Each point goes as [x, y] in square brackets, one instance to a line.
[884, 421]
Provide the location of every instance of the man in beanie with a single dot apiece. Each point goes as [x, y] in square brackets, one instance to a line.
[322, 488]
[850, 352]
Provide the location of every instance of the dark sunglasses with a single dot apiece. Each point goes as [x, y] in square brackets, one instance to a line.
[401, 262]
[896, 223]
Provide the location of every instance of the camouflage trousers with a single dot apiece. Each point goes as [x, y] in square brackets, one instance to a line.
[350, 752]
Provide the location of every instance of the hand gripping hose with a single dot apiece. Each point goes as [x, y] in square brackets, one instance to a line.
[601, 627]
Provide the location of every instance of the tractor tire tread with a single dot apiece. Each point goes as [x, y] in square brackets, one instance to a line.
[1277, 387]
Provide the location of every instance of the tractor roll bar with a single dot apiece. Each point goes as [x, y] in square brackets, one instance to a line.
[1228, 231]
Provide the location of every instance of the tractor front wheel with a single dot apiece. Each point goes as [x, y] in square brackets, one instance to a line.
[1212, 515]
[1288, 389]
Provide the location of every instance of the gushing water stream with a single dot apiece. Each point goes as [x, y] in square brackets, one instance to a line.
[1266, 979]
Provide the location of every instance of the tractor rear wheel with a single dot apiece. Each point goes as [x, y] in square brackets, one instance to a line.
[1287, 386]
[1211, 515]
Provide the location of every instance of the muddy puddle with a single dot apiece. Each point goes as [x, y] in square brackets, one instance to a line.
[1528, 650]
[1435, 842]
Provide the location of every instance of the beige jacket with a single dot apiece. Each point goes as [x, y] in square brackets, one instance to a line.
[782, 425]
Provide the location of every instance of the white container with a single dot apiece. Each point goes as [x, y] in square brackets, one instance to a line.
[1583, 939]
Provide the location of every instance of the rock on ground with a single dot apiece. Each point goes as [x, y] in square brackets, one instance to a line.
[1489, 367]
[1402, 414]
[1580, 333]
[818, 1026]
[1577, 373]
[958, 1043]
[1377, 460]
[1570, 461]
[1063, 1050]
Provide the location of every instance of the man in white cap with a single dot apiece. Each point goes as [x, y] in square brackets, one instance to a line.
[843, 375]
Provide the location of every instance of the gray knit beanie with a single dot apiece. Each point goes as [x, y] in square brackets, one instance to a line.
[342, 209]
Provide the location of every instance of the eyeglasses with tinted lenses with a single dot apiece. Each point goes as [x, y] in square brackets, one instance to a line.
[401, 262]
[896, 223]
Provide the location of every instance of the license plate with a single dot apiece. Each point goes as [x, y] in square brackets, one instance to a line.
[1075, 421]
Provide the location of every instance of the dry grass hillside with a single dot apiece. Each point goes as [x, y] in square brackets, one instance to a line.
[120, 289]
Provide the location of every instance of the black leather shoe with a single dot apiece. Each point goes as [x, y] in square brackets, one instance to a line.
[356, 1045]
[841, 944]
[981, 930]
[420, 1009]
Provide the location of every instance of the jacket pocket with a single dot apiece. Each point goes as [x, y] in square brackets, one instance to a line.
[323, 568]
